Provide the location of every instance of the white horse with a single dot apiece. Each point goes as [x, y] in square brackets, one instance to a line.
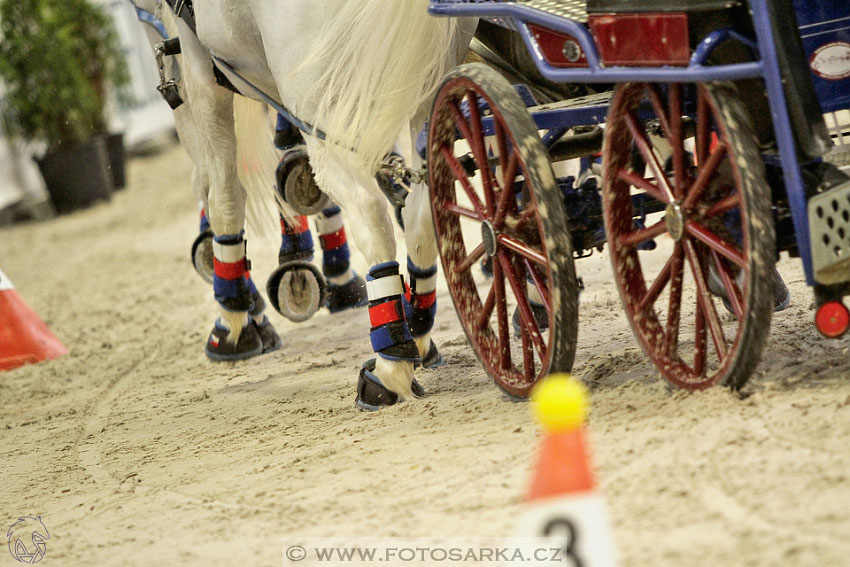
[296, 288]
[362, 71]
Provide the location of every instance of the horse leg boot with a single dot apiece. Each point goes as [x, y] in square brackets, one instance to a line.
[346, 290]
[296, 288]
[234, 336]
[390, 336]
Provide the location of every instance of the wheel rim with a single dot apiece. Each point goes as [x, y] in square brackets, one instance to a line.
[495, 215]
[707, 218]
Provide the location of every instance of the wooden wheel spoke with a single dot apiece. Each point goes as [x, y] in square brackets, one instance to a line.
[656, 288]
[642, 235]
[462, 211]
[677, 141]
[716, 243]
[703, 133]
[460, 121]
[460, 175]
[645, 148]
[641, 182]
[525, 215]
[470, 260]
[507, 194]
[659, 107]
[526, 316]
[723, 205]
[479, 151]
[502, 147]
[527, 357]
[487, 308]
[707, 170]
[733, 292]
[704, 302]
[699, 343]
[675, 305]
[541, 287]
[502, 316]
[522, 249]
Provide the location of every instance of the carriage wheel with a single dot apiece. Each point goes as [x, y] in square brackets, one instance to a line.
[716, 233]
[494, 195]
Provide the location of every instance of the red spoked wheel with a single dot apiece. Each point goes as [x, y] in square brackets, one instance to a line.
[494, 195]
[715, 236]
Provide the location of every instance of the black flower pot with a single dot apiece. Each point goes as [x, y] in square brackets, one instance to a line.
[77, 177]
[117, 159]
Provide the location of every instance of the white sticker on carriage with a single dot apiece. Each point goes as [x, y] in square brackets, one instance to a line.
[831, 61]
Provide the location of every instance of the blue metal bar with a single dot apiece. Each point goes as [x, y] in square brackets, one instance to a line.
[694, 72]
[707, 46]
[553, 135]
[784, 133]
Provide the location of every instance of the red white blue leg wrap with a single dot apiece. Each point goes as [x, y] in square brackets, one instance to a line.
[390, 334]
[231, 279]
[296, 240]
[423, 298]
[336, 257]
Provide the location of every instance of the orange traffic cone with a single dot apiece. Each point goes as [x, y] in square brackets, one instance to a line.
[24, 338]
[562, 501]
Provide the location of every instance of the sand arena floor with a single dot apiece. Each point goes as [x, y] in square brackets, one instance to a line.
[136, 450]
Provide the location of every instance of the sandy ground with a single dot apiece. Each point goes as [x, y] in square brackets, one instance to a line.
[136, 450]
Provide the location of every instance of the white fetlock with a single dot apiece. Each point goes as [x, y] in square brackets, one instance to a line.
[234, 321]
[423, 343]
[396, 376]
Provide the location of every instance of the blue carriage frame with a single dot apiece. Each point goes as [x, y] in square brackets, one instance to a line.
[766, 66]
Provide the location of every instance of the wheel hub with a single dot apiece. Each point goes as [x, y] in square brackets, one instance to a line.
[488, 236]
[675, 218]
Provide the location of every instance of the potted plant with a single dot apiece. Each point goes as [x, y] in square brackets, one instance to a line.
[58, 60]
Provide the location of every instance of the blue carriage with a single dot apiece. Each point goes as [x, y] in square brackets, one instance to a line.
[695, 140]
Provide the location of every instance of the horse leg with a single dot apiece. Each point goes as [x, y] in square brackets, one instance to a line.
[421, 266]
[236, 334]
[388, 378]
[346, 290]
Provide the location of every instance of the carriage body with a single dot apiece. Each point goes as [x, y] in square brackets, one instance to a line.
[787, 60]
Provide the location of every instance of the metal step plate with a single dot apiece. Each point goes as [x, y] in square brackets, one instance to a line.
[829, 229]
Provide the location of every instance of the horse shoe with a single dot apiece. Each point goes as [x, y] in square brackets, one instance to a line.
[296, 183]
[202, 256]
[297, 290]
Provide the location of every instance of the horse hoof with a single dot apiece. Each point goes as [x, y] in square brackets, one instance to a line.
[347, 296]
[433, 359]
[220, 350]
[202, 256]
[268, 336]
[296, 183]
[297, 290]
[372, 395]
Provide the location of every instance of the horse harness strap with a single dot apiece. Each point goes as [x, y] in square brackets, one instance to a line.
[183, 9]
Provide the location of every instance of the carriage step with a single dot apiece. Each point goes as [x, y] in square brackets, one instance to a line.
[829, 230]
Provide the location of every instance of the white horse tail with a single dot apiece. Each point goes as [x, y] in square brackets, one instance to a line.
[257, 159]
[378, 61]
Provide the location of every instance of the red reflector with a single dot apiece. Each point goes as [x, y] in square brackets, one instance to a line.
[559, 49]
[832, 319]
[641, 40]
